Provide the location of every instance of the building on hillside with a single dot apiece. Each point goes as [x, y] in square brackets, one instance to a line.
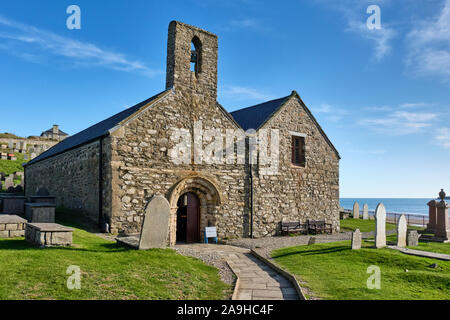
[54, 133]
[173, 144]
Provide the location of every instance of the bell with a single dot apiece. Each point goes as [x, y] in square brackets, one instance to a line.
[194, 56]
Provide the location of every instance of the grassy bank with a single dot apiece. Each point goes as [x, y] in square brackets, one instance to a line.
[334, 271]
[367, 225]
[108, 272]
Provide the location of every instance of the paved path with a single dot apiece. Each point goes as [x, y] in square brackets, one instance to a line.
[420, 253]
[257, 281]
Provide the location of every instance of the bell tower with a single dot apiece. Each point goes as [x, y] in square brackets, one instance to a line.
[192, 59]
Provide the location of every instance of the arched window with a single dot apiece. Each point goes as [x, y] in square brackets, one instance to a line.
[196, 55]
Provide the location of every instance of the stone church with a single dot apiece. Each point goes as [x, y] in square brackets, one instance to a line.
[111, 170]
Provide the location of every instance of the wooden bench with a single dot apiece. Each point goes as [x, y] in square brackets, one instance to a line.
[319, 226]
[287, 227]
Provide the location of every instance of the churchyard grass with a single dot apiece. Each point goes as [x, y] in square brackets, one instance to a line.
[367, 225]
[11, 166]
[334, 271]
[108, 272]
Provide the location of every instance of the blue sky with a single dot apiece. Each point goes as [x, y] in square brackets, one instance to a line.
[382, 95]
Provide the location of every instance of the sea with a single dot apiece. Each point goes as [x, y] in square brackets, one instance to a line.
[392, 205]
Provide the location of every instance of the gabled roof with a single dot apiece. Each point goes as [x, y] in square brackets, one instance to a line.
[94, 132]
[255, 117]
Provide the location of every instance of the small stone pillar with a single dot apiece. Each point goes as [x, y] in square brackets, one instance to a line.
[432, 215]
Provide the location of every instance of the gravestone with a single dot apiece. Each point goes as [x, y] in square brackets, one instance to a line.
[43, 192]
[311, 241]
[9, 183]
[365, 212]
[356, 210]
[413, 238]
[356, 240]
[155, 227]
[380, 228]
[402, 228]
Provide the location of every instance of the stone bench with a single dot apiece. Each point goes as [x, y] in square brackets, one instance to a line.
[12, 204]
[12, 226]
[48, 234]
[40, 212]
[43, 199]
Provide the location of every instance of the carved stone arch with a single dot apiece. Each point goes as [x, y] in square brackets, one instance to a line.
[208, 194]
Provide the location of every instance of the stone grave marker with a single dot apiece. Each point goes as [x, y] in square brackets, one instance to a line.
[155, 227]
[413, 238]
[311, 241]
[356, 210]
[380, 228]
[365, 212]
[356, 240]
[402, 228]
[9, 183]
[43, 192]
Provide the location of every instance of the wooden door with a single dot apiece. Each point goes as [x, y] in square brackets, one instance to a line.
[193, 218]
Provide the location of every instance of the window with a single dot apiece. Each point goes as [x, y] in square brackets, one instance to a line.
[298, 151]
[196, 55]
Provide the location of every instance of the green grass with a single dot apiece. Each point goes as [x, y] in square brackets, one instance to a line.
[108, 272]
[367, 225]
[11, 166]
[334, 271]
[433, 247]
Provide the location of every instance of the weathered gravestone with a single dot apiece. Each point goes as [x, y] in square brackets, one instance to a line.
[365, 212]
[43, 192]
[402, 228]
[356, 240]
[413, 238]
[311, 241]
[356, 210]
[9, 183]
[155, 227]
[380, 228]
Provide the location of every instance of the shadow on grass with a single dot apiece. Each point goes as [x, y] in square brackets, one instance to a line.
[313, 252]
[15, 245]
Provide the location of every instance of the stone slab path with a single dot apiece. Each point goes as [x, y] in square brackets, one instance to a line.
[257, 281]
[420, 253]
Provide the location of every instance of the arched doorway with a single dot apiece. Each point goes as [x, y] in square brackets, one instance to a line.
[188, 218]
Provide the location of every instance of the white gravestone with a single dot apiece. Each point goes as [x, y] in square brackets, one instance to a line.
[402, 228]
[365, 212]
[356, 240]
[155, 227]
[380, 228]
[356, 210]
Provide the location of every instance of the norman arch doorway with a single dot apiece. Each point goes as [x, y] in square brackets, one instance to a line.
[188, 218]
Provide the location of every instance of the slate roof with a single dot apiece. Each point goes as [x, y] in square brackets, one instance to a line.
[253, 117]
[92, 133]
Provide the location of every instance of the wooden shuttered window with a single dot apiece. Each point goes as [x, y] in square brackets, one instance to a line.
[298, 151]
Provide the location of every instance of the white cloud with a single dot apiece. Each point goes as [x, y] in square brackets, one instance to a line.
[400, 122]
[354, 12]
[429, 45]
[21, 38]
[244, 93]
[443, 138]
[333, 113]
[380, 37]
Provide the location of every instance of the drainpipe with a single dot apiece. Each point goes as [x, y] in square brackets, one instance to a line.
[101, 219]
